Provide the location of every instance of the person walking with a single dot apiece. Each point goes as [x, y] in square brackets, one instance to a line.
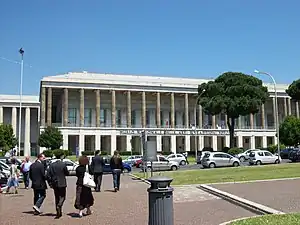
[84, 197]
[37, 176]
[97, 170]
[13, 177]
[116, 165]
[56, 176]
[25, 170]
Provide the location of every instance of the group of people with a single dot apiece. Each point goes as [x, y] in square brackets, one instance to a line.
[55, 175]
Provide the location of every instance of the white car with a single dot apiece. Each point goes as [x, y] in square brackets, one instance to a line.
[71, 166]
[180, 158]
[245, 155]
[263, 157]
[162, 164]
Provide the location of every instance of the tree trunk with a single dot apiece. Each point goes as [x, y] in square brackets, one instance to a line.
[231, 125]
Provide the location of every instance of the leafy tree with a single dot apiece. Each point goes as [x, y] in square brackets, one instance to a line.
[289, 131]
[51, 138]
[234, 94]
[7, 138]
[294, 90]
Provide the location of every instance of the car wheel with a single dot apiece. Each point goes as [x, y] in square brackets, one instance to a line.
[242, 158]
[277, 161]
[236, 164]
[258, 162]
[125, 170]
[212, 165]
[182, 163]
[173, 168]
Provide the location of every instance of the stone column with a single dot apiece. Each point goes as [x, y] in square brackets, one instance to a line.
[200, 143]
[215, 143]
[263, 122]
[1, 114]
[172, 110]
[113, 109]
[186, 110]
[129, 112]
[285, 107]
[113, 143]
[81, 143]
[158, 143]
[252, 142]
[187, 143]
[81, 112]
[49, 107]
[43, 106]
[27, 143]
[128, 143]
[297, 109]
[264, 142]
[65, 142]
[240, 141]
[158, 119]
[274, 111]
[227, 141]
[251, 121]
[173, 144]
[66, 108]
[200, 117]
[97, 142]
[97, 109]
[143, 122]
[213, 118]
[14, 119]
[289, 106]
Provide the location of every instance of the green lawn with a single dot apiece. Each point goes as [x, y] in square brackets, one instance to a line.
[287, 219]
[218, 175]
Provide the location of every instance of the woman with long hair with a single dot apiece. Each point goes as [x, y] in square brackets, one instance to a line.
[84, 196]
[117, 168]
[13, 177]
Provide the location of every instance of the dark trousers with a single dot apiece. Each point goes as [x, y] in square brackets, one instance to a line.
[60, 196]
[39, 197]
[116, 178]
[98, 180]
[26, 179]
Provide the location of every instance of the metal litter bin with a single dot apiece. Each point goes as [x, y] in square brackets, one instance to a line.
[160, 203]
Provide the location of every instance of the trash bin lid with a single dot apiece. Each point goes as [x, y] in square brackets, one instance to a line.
[160, 181]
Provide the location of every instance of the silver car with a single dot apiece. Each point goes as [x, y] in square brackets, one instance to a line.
[180, 158]
[219, 159]
[162, 164]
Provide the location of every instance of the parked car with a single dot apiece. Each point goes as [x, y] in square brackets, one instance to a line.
[71, 166]
[139, 163]
[132, 159]
[245, 155]
[285, 153]
[7, 160]
[162, 164]
[219, 159]
[3, 179]
[200, 156]
[107, 168]
[6, 170]
[179, 158]
[263, 157]
[294, 155]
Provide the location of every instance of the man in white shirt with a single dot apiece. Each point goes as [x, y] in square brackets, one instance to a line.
[25, 170]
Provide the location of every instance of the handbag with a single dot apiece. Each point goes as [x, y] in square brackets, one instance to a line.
[88, 179]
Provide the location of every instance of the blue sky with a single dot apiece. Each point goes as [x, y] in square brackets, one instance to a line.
[191, 38]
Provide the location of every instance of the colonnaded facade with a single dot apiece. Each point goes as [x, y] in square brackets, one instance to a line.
[108, 112]
[9, 114]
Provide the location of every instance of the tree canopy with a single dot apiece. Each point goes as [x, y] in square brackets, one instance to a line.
[289, 131]
[51, 138]
[234, 94]
[294, 90]
[7, 138]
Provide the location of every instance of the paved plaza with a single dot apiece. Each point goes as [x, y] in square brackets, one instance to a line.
[129, 206]
[281, 195]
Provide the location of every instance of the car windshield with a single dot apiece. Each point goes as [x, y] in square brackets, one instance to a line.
[206, 155]
[252, 154]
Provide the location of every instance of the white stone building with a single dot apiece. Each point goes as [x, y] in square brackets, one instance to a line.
[108, 112]
[9, 114]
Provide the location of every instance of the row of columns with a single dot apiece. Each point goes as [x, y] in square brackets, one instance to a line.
[287, 109]
[27, 142]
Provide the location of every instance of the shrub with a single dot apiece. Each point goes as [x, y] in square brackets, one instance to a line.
[225, 149]
[125, 153]
[59, 152]
[235, 151]
[207, 149]
[86, 153]
[273, 148]
[48, 153]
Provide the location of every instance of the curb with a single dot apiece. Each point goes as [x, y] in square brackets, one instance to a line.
[139, 178]
[252, 206]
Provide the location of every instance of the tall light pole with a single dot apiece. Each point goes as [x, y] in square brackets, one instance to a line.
[276, 109]
[21, 51]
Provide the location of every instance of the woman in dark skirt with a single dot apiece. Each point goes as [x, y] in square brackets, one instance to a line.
[84, 196]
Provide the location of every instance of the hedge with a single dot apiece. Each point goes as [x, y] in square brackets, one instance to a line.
[51, 153]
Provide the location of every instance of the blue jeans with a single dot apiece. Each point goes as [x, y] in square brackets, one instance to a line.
[26, 179]
[39, 197]
[116, 178]
[12, 182]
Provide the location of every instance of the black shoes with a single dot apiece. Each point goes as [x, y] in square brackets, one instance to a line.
[58, 213]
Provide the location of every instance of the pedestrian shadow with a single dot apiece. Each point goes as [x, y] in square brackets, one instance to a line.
[109, 190]
[36, 214]
[73, 215]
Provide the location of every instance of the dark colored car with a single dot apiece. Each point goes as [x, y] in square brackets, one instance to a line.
[107, 168]
[284, 153]
[294, 155]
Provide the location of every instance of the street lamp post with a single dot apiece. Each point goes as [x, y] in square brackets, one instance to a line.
[276, 109]
[21, 51]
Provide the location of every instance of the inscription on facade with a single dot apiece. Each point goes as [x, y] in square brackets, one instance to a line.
[175, 132]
